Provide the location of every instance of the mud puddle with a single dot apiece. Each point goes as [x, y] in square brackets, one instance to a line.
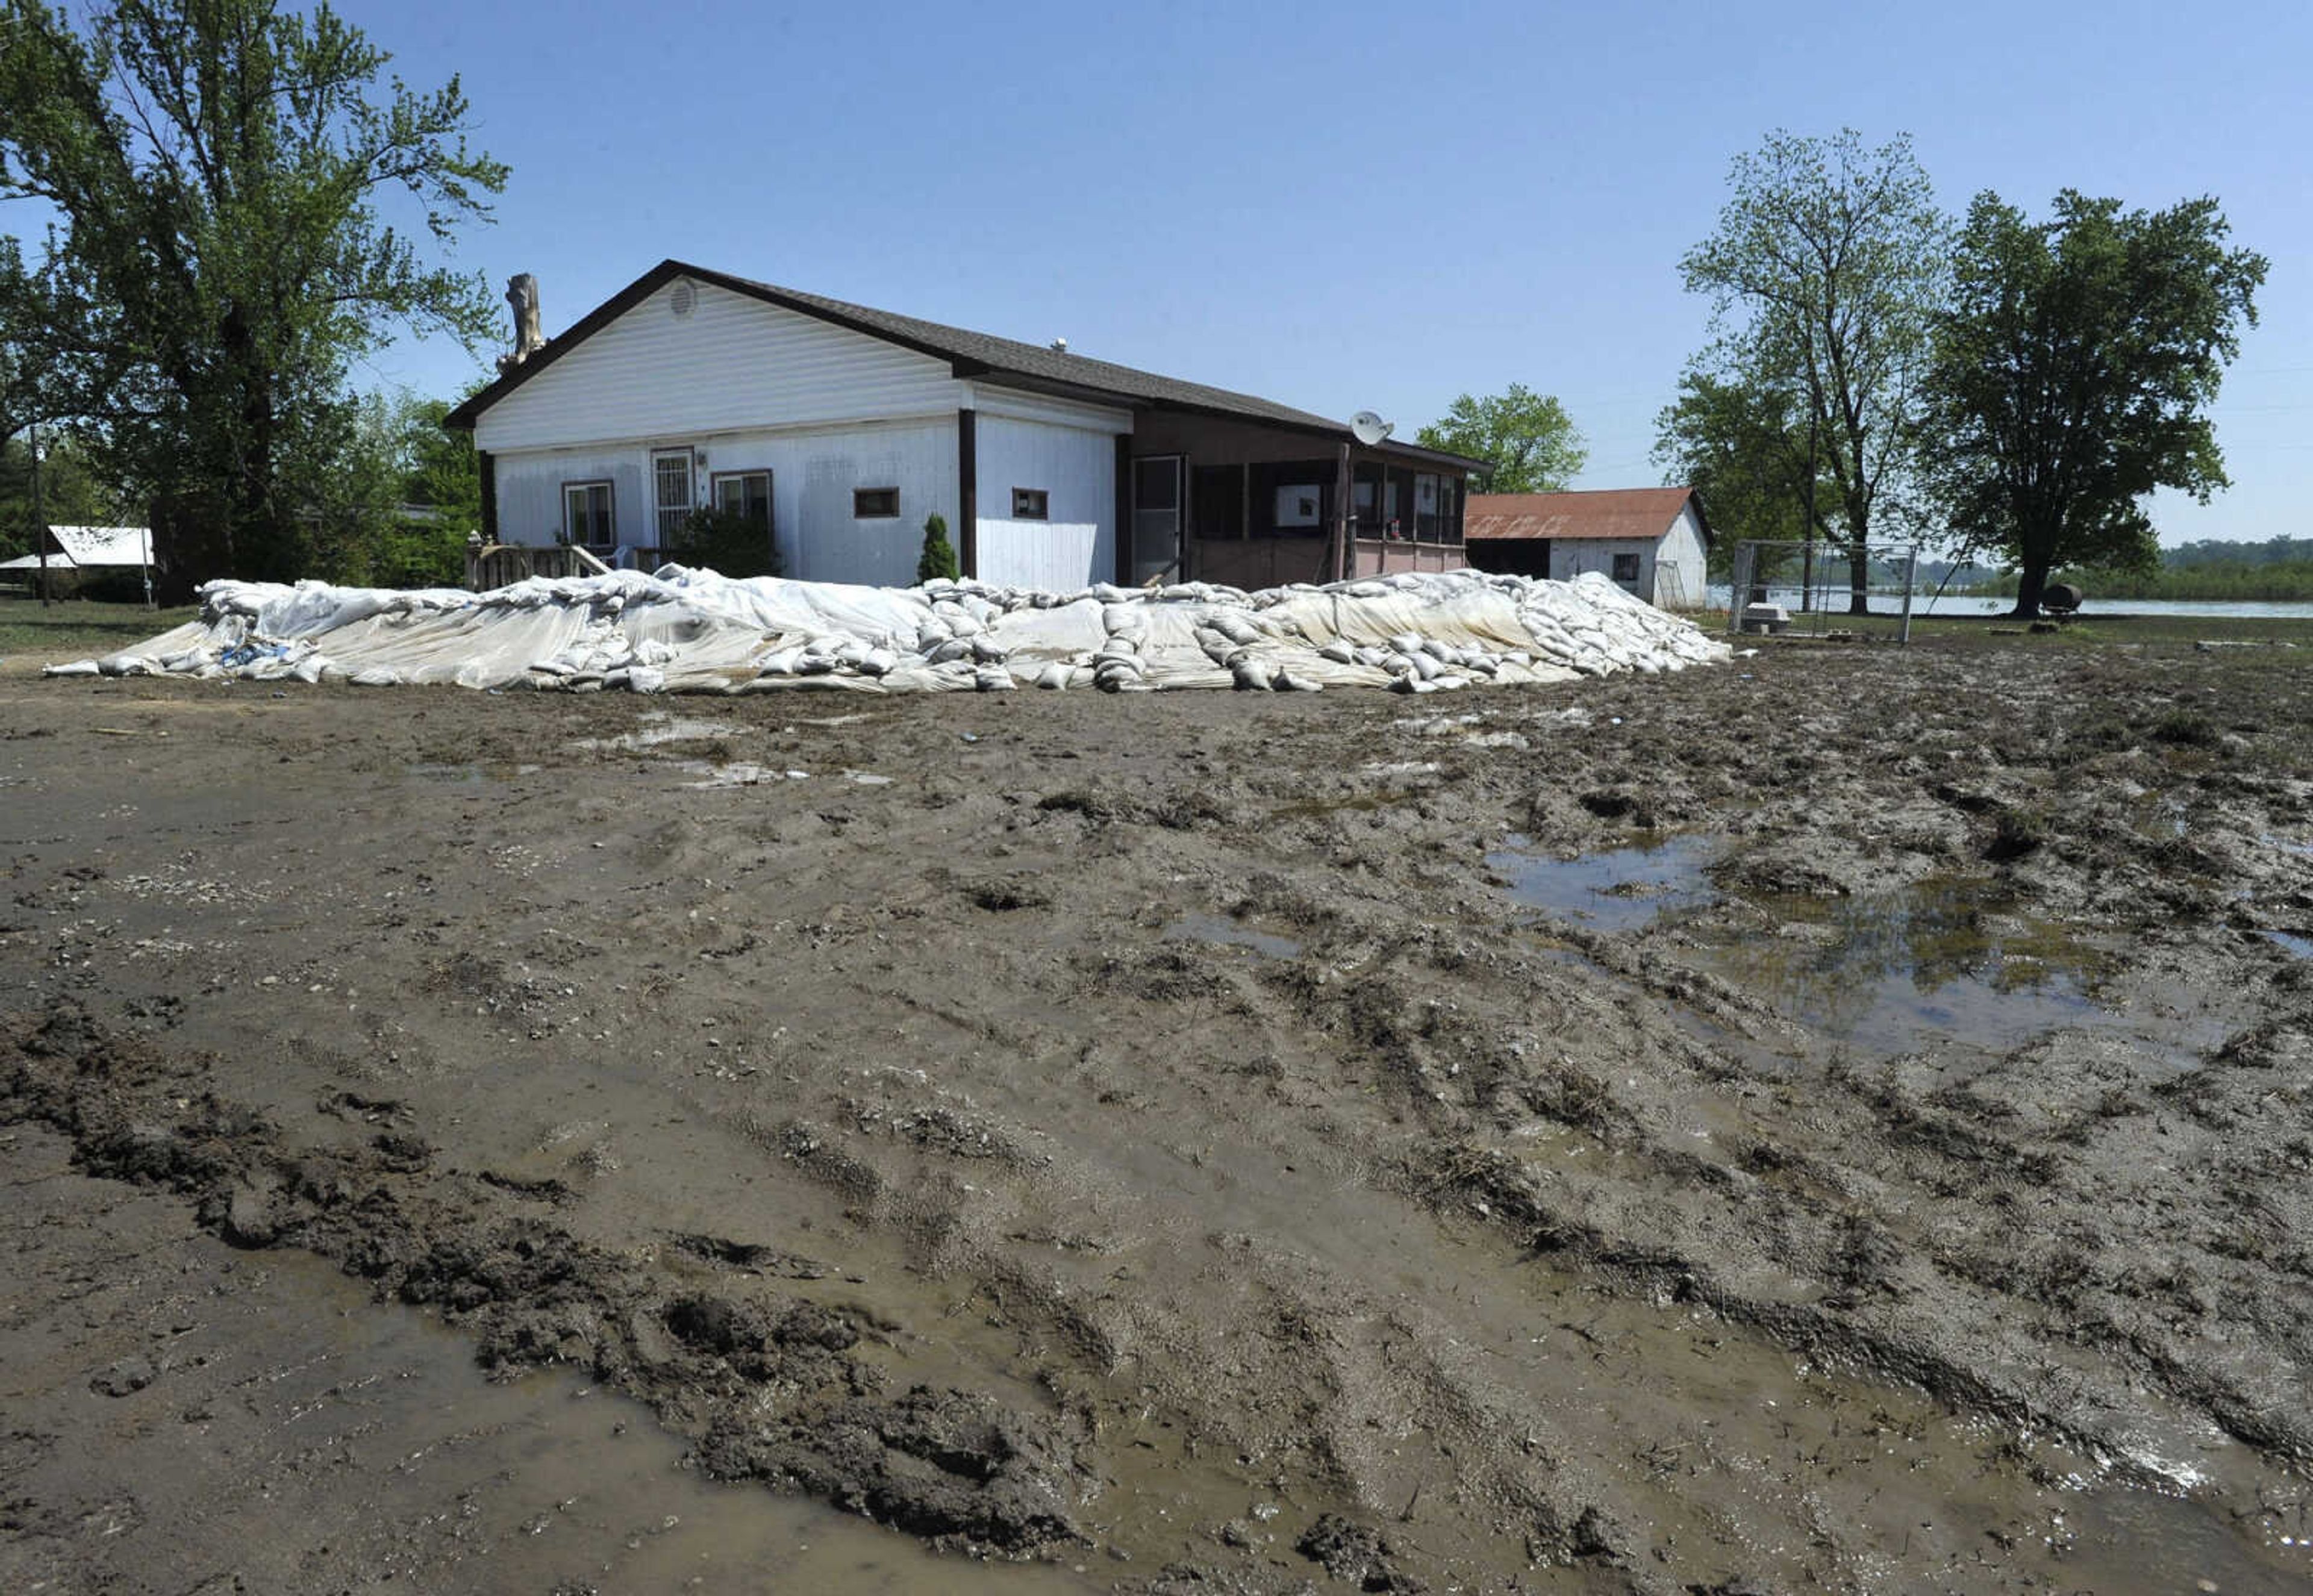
[1625, 890]
[1946, 961]
[469, 776]
[1215, 931]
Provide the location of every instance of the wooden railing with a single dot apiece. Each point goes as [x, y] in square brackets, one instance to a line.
[499, 564]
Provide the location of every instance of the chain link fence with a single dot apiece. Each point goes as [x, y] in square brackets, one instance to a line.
[1818, 590]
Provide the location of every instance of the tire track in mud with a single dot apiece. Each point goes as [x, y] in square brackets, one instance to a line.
[763, 1385]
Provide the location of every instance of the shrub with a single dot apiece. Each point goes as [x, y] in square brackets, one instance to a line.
[938, 557]
[730, 541]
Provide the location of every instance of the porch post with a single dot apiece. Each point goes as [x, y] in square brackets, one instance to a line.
[1344, 523]
[967, 492]
[1124, 509]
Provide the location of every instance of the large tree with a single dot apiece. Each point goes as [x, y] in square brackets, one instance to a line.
[2071, 374]
[1824, 275]
[218, 172]
[1744, 450]
[1532, 442]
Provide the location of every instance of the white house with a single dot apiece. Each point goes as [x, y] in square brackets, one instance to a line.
[1651, 541]
[844, 427]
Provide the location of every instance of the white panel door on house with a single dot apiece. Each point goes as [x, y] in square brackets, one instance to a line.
[1157, 507]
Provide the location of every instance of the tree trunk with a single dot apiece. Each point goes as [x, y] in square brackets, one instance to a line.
[2030, 584]
[1859, 580]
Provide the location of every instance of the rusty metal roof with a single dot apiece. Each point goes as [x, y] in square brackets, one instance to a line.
[1628, 513]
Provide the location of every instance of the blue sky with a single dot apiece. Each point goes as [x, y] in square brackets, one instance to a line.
[1350, 206]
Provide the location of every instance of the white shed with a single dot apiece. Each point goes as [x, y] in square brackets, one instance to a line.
[1653, 541]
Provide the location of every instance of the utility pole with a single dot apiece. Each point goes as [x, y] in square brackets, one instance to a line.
[1807, 578]
[39, 517]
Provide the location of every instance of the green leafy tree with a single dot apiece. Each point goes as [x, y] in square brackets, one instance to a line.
[1532, 442]
[72, 491]
[2072, 373]
[1744, 450]
[1825, 274]
[938, 557]
[218, 168]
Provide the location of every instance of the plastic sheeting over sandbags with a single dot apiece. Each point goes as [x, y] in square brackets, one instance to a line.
[680, 630]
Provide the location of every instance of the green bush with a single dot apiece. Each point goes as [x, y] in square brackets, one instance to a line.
[938, 557]
[730, 541]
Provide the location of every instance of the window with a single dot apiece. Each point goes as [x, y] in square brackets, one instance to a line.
[1425, 507]
[1626, 567]
[670, 477]
[1301, 505]
[1031, 504]
[748, 492]
[874, 504]
[587, 518]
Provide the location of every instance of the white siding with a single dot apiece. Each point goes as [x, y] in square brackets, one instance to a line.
[1682, 548]
[814, 471]
[1658, 582]
[1570, 556]
[530, 492]
[1076, 467]
[734, 363]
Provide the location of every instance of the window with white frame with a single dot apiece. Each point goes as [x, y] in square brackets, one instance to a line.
[673, 496]
[744, 492]
[1032, 503]
[587, 518]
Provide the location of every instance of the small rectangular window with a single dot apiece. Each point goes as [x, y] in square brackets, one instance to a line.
[586, 518]
[1626, 567]
[1031, 504]
[874, 504]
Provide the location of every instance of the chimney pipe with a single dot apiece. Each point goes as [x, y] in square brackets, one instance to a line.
[521, 294]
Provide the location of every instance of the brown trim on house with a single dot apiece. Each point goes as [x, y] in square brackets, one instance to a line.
[967, 492]
[489, 465]
[1124, 509]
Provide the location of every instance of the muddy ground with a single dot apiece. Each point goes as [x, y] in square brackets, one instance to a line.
[1841, 1121]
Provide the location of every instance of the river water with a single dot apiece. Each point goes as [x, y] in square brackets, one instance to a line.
[1969, 604]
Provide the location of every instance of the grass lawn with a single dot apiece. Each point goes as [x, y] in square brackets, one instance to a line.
[32, 634]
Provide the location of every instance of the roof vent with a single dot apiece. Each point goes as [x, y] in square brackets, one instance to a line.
[1060, 345]
[684, 299]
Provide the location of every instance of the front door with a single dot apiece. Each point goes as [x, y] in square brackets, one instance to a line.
[1157, 517]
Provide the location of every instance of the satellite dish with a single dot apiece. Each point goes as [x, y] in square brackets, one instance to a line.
[1369, 429]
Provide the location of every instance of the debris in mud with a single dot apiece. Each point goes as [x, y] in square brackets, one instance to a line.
[1356, 1553]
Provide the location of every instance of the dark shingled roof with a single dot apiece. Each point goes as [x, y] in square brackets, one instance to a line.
[1004, 361]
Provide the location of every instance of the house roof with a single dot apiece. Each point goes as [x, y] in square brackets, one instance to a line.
[86, 545]
[1625, 513]
[1005, 362]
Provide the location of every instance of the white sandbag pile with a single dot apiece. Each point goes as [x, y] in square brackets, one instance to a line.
[680, 630]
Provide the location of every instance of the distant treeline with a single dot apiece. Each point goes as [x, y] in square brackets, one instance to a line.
[2278, 570]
